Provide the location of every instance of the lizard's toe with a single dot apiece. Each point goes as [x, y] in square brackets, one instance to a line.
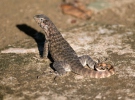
[61, 72]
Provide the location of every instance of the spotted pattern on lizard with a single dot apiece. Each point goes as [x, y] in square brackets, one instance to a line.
[65, 58]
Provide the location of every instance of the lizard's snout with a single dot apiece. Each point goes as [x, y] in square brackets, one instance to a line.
[36, 17]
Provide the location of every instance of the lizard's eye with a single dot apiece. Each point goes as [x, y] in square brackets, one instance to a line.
[41, 19]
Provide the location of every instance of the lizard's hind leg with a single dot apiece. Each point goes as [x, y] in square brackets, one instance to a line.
[61, 67]
[87, 60]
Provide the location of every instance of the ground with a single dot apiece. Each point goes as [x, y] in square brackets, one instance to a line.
[108, 34]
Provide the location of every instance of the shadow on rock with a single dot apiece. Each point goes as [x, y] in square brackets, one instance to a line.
[37, 36]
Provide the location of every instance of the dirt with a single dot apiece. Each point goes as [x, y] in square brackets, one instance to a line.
[109, 33]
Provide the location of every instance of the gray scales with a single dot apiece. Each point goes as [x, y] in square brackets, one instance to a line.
[65, 58]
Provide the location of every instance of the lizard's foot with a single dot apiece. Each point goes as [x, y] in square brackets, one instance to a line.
[60, 72]
[61, 67]
[87, 60]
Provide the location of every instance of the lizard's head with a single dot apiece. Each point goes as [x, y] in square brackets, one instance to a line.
[44, 22]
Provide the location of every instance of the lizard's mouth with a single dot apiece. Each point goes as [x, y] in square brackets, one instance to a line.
[37, 19]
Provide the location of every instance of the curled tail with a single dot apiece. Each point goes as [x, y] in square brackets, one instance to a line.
[102, 72]
[96, 74]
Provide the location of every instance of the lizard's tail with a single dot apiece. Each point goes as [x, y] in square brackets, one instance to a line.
[96, 74]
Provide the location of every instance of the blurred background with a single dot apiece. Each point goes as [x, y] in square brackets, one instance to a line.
[15, 12]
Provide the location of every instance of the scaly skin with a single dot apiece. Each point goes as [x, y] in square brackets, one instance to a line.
[65, 58]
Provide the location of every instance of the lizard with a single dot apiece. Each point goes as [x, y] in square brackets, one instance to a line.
[65, 58]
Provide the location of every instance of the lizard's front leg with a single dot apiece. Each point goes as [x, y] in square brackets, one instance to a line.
[87, 60]
[61, 67]
[46, 47]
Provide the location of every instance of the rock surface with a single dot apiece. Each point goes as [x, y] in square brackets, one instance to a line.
[110, 34]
